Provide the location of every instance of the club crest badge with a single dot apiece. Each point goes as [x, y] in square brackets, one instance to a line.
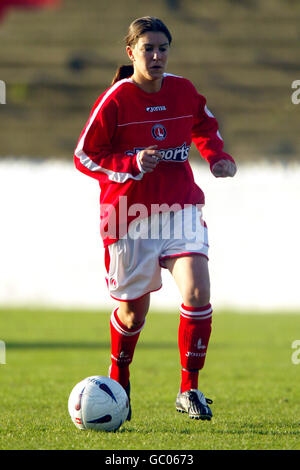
[159, 132]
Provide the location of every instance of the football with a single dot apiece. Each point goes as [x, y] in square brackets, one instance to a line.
[98, 403]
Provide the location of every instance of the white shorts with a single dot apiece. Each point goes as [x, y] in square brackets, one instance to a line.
[134, 262]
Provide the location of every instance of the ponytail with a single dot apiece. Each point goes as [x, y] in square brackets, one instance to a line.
[124, 71]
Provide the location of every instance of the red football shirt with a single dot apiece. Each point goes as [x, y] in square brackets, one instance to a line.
[125, 120]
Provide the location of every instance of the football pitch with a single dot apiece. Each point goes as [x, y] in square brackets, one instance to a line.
[251, 373]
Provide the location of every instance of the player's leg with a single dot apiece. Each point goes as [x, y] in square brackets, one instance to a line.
[126, 323]
[133, 312]
[133, 272]
[191, 275]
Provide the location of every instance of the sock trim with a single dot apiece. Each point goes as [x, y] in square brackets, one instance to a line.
[196, 313]
[122, 329]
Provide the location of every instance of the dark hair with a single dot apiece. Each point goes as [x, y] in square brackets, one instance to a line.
[137, 28]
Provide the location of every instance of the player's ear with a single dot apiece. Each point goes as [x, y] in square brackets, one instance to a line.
[130, 53]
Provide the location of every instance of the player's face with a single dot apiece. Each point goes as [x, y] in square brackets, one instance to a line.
[150, 55]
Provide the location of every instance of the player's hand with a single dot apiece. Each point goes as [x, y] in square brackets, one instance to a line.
[149, 158]
[224, 168]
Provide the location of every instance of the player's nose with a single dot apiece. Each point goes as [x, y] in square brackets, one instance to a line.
[156, 55]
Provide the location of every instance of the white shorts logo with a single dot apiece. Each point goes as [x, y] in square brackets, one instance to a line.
[113, 283]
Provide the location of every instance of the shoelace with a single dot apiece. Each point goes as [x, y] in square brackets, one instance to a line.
[194, 394]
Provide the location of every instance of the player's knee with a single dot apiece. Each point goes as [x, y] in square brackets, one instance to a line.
[132, 313]
[197, 296]
[134, 323]
[133, 320]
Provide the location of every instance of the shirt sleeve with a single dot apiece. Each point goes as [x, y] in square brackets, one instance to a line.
[94, 154]
[206, 135]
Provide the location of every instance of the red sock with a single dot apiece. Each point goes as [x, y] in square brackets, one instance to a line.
[189, 380]
[123, 342]
[193, 338]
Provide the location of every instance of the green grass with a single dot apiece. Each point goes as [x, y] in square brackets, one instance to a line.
[248, 373]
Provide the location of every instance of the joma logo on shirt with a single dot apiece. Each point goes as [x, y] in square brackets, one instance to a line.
[177, 154]
[152, 109]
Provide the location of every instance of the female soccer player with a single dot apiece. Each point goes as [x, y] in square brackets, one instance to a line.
[136, 144]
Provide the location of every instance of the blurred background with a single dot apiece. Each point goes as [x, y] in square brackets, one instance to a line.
[58, 56]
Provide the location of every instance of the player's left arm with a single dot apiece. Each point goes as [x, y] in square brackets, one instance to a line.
[207, 138]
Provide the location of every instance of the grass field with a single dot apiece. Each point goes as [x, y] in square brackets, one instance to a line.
[249, 374]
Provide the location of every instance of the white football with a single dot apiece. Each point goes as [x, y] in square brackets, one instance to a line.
[98, 403]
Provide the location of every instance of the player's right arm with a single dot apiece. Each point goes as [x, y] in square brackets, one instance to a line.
[148, 159]
[94, 154]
